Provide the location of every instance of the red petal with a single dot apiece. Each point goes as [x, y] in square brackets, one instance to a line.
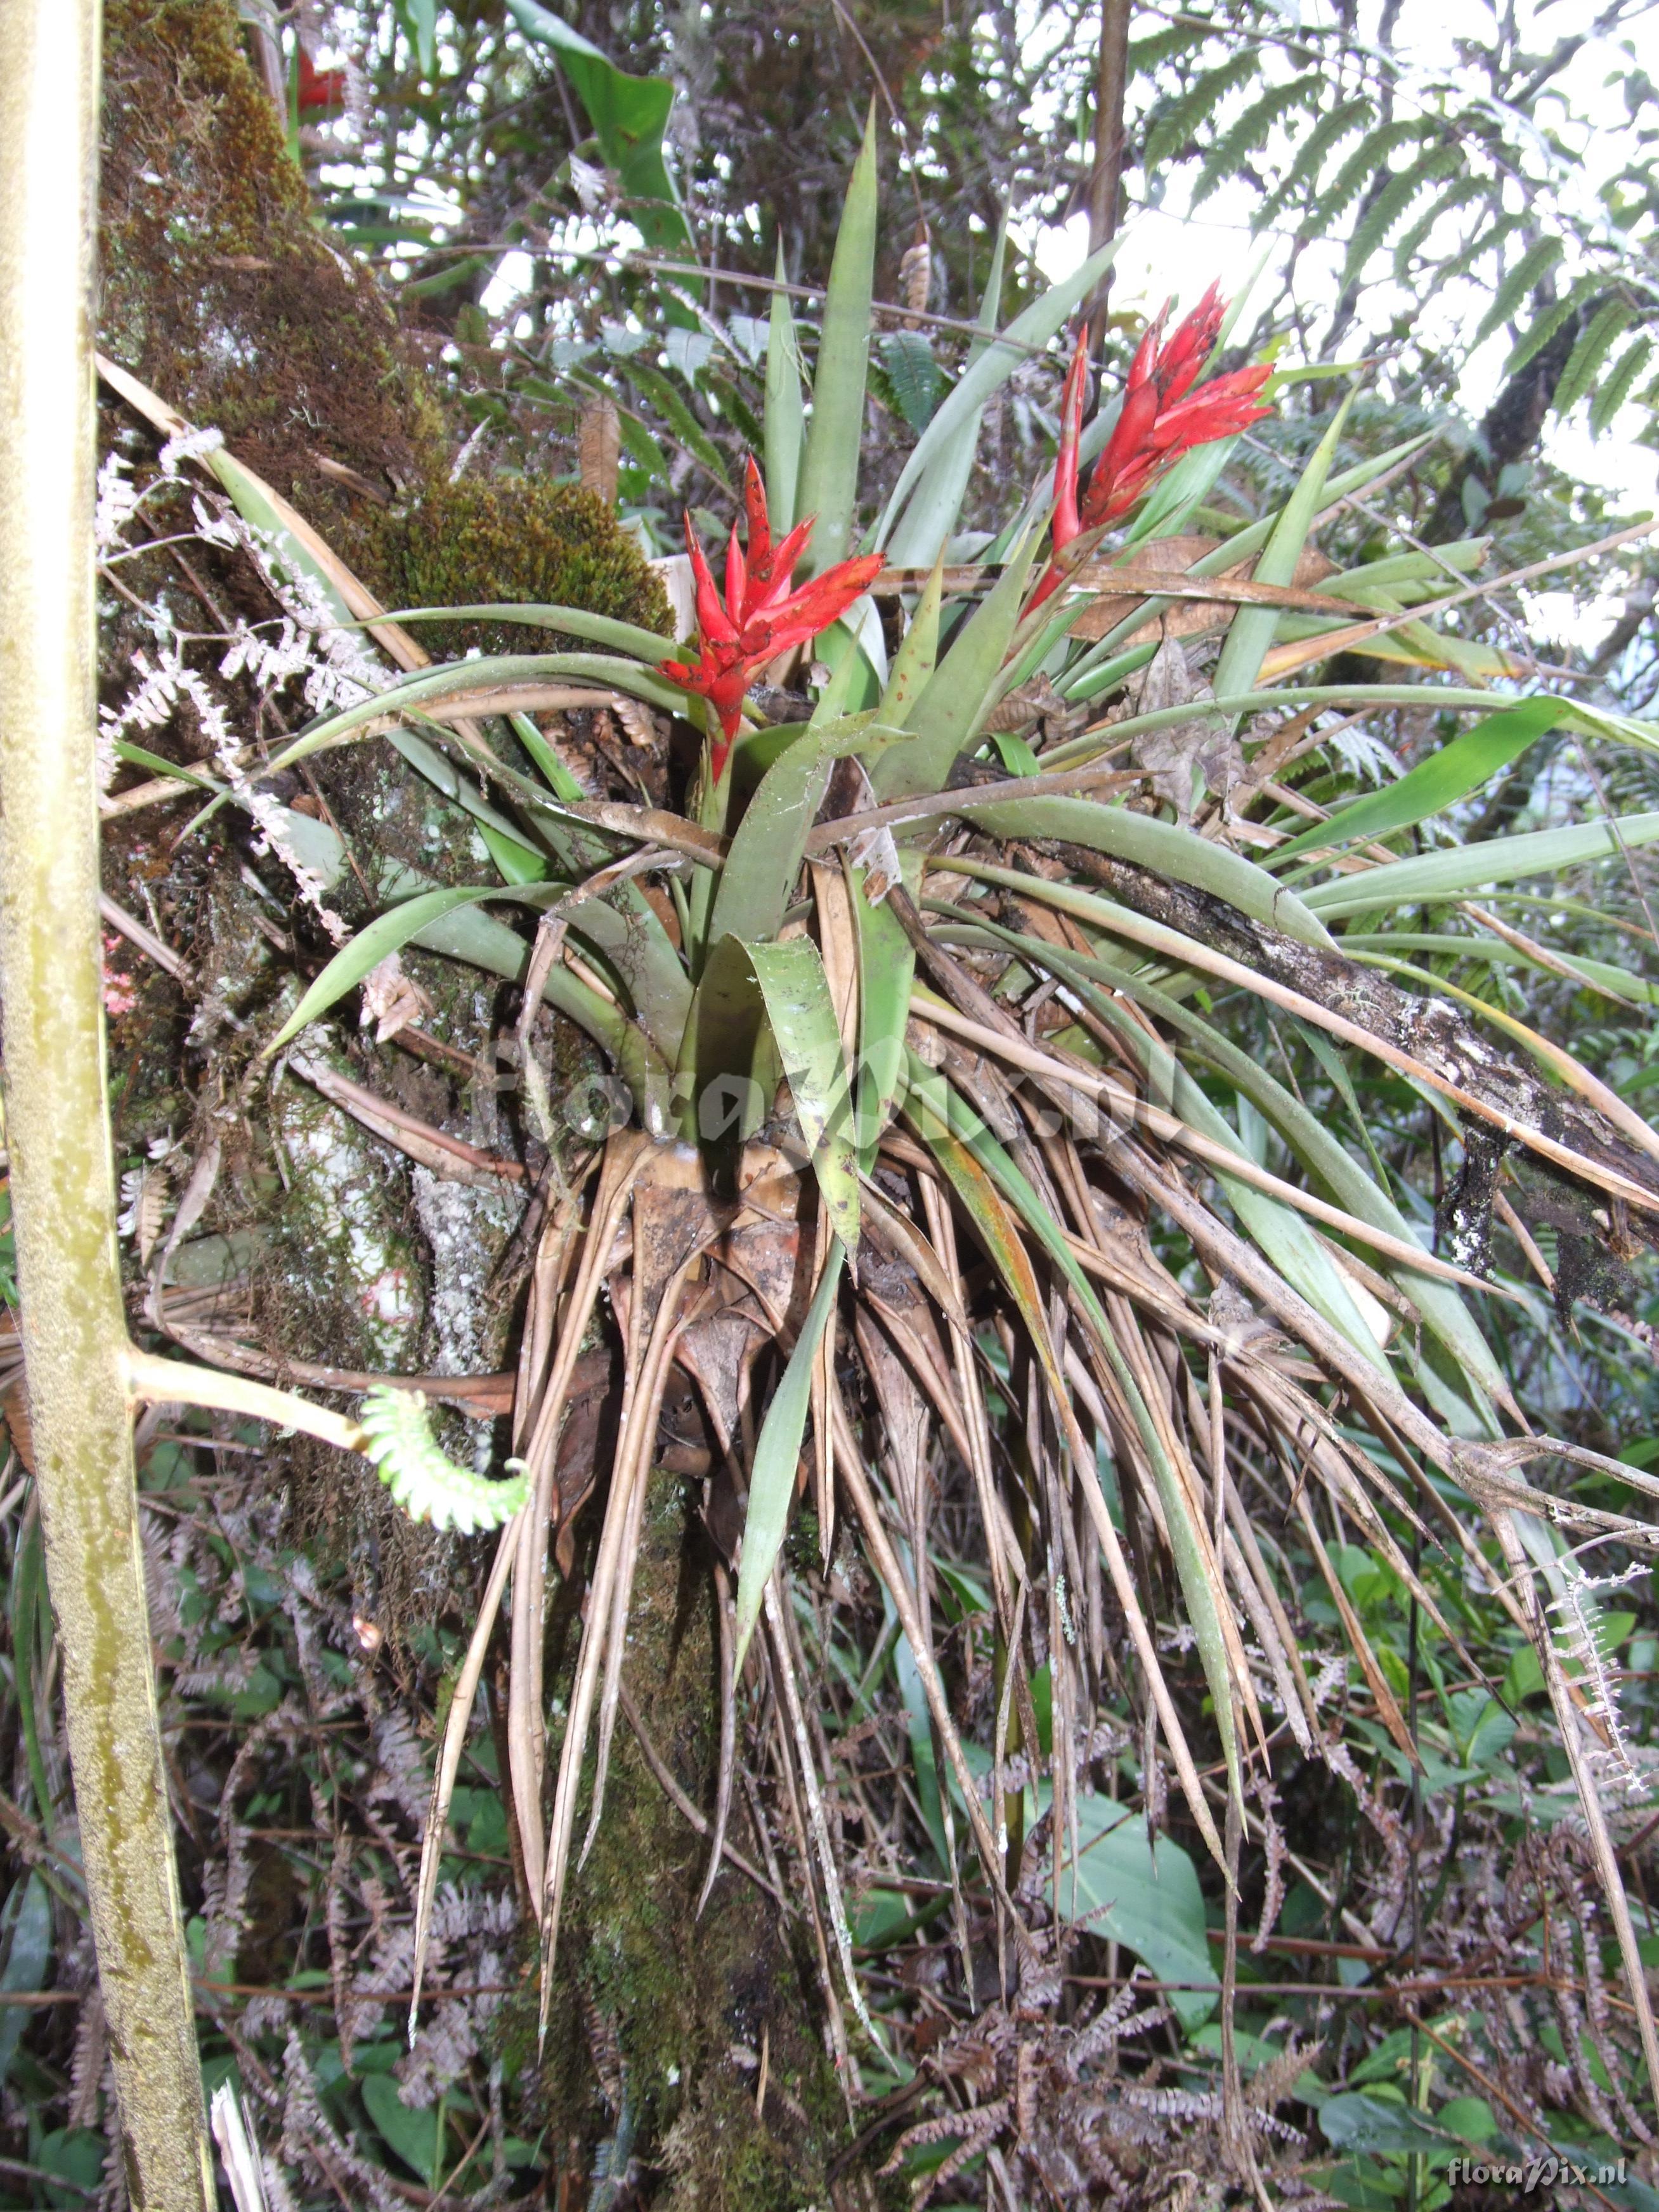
[1066, 525]
[712, 616]
[737, 577]
[760, 527]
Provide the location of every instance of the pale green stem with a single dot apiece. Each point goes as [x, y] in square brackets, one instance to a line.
[74, 1331]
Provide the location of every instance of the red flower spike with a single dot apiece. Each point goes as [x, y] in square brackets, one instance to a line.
[760, 617]
[1162, 418]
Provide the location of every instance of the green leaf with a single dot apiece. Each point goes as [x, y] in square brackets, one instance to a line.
[1522, 280]
[629, 115]
[798, 1006]
[1128, 1890]
[935, 506]
[1251, 631]
[421, 17]
[1367, 159]
[1448, 874]
[519, 864]
[1436, 783]
[1168, 132]
[410, 2130]
[766, 852]
[914, 662]
[1617, 387]
[980, 378]
[26, 1924]
[1251, 130]
[829, 471]
[1179, 855]
[777, 1456]
[1341, 122]
[647, 645]
[915, 377]
[1354, 2122]
[786, 411]
[1549, 323]
[681, 422]
[951, 710]
[1596, 342]
[1377, 225]
[887, 966]
[389, 933]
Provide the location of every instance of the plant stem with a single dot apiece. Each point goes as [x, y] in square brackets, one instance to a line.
[74, 1331]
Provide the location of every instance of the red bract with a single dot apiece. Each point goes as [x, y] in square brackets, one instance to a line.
[319, 89]
[1162, 418]
[759, 616]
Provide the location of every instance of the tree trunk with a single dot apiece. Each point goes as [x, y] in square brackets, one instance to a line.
[74, 1330]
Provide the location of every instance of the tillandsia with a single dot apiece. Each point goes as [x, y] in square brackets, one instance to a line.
[949, 1150]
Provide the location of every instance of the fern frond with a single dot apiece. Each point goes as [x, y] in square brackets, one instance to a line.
[1369, 156]
[1249, 132]
[1461, 190]
[1390, 205]
[1533, 265]
[1596, 342]
[1489, 238]
[1615, 392]
[1170, 132]
[1342, 123]
[427, 1485]
[1548, 323]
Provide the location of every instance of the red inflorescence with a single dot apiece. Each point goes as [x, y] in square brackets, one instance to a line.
[760, 617]
[1162, 418]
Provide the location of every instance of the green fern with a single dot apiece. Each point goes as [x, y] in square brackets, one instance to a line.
[1549, 323]
[1527, 273]
[916, 378]
[1617, 388]
[1330, 130]
[1389, 208]
[1368, 158]
[1459, 193]
[1489, 238]
[1250, 132]
[427, 1485]
[1596, 342]
[1169, 132]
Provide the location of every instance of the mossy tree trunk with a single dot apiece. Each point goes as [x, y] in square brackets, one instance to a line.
[74, 1330]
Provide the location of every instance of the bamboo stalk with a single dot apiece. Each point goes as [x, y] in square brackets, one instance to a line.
[73, 1328]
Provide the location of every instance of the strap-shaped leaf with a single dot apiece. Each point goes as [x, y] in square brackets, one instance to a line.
[1034, 328]
[1252, 627]
[951, 711]
[1428, 876]
[925, 527]
[785, 410]
[1164, 848]
[887, 967]
[802, 1014]
[777, 1456]
[1436, 783]
[829, 470]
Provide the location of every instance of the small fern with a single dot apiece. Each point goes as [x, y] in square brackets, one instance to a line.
[427, 1485]
[1527, 273]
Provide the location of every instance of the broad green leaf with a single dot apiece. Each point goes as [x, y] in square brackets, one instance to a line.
[422, 17]
[786, 411]
[517, 862]
[935, 504]
[1145, 1895]
[26, 1924]
[1180, 856]
[629, 115]
[1251, 631]
[830, 469]
[764, 860]
[412, 2131]
[1450, 873]
[1436, 783]
[777, 1456]
[979, 379]
[952, 709]
[802, 1014]
[1354, 2122]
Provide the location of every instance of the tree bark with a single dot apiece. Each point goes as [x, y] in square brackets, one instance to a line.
[73, 1325]
[1106, 179]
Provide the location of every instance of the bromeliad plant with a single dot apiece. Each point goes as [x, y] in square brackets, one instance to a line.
[892, 986]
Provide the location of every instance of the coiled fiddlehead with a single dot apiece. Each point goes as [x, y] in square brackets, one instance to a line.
[427, 1485]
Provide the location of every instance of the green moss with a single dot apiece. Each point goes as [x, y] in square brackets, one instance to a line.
[218, 290]
[662, 2003]
[508, 539]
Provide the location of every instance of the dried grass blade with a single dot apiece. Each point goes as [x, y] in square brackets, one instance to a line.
[728, 1759]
